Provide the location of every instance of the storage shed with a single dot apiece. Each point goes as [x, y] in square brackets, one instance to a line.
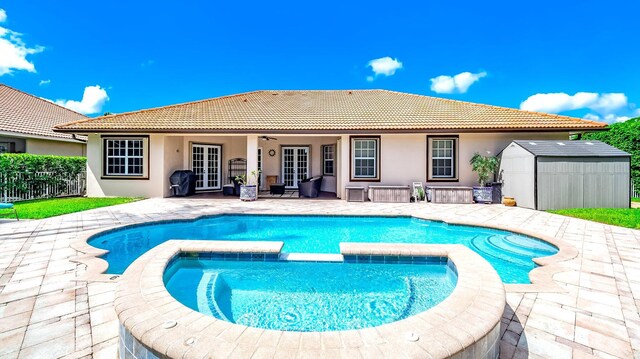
[565, 174]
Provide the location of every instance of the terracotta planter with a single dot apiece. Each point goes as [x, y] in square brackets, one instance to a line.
[249, 193]
[509, 201]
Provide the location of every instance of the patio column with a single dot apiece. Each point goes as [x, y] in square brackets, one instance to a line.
[252, 154]
[343, 166]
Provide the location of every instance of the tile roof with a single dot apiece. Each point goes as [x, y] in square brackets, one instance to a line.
[26, 114]
[327, 111]
[589, 148]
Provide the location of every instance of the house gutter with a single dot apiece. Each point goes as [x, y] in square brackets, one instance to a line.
[324, 132]
[75, 137]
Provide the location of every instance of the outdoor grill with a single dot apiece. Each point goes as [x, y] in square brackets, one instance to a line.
[183, 183]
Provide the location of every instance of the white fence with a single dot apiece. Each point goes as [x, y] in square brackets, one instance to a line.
[635, 192]
[40, 189]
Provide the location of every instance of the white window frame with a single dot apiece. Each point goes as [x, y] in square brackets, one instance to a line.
[375, 158]
[453, 158]
[325, 160]
[144, 157]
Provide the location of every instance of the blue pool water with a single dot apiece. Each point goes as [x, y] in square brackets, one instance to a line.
[307, 296]
[510, 254]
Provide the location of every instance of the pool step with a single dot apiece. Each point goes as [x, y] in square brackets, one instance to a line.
[311, 257]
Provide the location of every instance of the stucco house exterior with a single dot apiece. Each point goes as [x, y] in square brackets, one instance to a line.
[357, 137]
[26, 125]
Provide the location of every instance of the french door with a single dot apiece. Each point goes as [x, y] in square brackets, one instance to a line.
[206, 164]
[295, 165]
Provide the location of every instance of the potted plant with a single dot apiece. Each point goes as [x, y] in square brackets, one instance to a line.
[248, 186]
[484, 166]
[420, 195]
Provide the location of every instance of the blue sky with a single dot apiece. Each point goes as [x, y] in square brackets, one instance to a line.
[571, 57]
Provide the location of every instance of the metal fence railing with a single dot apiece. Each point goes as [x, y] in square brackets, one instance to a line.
[40, 189]
[635, 192]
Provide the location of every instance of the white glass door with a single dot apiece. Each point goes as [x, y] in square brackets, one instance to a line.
[295, 165]
[206, 164]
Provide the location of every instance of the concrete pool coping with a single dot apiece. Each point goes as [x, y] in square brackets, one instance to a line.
[465, 324]
[541, 277]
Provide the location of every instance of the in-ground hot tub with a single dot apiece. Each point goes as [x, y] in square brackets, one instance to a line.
[309, 296]
[154, 324]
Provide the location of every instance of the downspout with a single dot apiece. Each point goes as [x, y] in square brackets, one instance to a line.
[84, 148]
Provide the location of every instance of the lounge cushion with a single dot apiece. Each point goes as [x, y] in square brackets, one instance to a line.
[6, 205]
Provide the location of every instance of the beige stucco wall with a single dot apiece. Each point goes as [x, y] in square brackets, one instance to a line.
[403, 159]
[153, 186]
[173, 159]
[404, 156]
[59, 148]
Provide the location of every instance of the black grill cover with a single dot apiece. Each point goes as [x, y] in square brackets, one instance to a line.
[183, 183]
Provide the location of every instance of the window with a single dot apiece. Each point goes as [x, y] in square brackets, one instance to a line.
[442, 158]
[365, 158]
[7, 147]
[125, 156]
[328, 160]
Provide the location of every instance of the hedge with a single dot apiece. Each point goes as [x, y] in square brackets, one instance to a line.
[624, 136]
[25, 172]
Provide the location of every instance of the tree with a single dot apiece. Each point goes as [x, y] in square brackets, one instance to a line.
[623, 136]
[484, 167]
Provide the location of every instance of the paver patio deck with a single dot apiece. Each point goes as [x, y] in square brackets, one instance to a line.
[46, 313]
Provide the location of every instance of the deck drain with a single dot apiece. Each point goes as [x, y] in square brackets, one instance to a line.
[190, 341]
[169, 324]
[411, 337]
[114, 277]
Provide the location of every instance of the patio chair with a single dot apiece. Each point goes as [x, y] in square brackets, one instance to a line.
[10, 206]
[310, 187]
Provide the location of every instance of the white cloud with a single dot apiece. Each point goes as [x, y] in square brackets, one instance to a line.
[608, 107]
[383, 66]
[610, 118]
[92, 101]
[13, 51]
[44, 82]
[459, 83]
[558, 102]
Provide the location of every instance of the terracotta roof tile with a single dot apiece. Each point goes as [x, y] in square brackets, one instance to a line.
[30, 115]
[335, 110]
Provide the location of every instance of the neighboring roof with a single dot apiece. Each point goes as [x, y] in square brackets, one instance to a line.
[570, 148]
[327, 111]
[26, 114]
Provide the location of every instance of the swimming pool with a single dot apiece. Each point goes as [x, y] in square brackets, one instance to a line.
[509, 253]
[296, 296]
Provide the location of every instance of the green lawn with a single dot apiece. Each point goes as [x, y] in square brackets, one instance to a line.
[624, 217]
[635, 199]
[44, 208]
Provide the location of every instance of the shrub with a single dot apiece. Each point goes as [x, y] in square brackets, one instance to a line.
[25, 172]
[484, 167]
[624, 136]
